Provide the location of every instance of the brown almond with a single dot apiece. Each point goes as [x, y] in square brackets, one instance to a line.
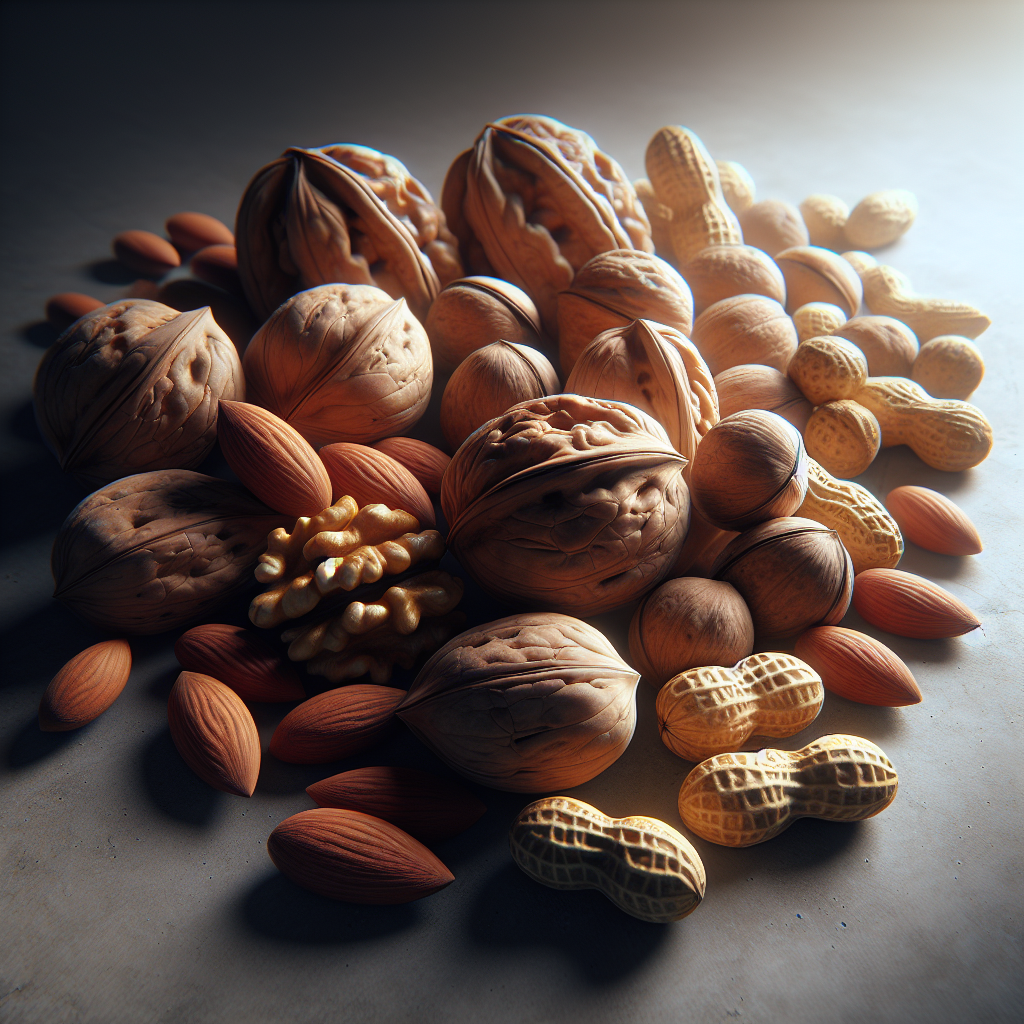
[273, 459]
[218, 265]
[146, 253]
[194, 231]
[932, 521]
[64, 309]
[371, 477]
[429, 808]
[355, 857]
[214, 733]
[858, 667]
[86, 686]
[241, 659]
[336, 724]
[908, 605]
[423, 460]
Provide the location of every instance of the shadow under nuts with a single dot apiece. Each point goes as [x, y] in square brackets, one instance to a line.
[528, 703]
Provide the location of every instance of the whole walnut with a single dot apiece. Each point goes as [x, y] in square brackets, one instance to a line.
[570, 503]
[529, 703]
[341, 213]
[533, 200]
[134, 386]
[341, 363]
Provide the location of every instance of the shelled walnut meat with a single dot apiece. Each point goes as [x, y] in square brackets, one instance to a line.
[134, 386]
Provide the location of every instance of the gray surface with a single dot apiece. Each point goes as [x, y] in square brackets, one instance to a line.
[131, 892]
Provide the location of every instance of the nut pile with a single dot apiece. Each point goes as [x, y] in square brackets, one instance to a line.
[656, 392]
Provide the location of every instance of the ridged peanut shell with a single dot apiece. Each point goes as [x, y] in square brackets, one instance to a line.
[843, 437]
[354, 857]
[880, 219]
[827, 369]
[948, 367]
[85, 686]
[214, 733]
[889, 346]
[722, 271]
[908, 605]
[738, 186]
[756, 386]
[825, 216]
[815, 319]
[933, 522]
[423, 460]
[745, 329]
[858, 667]
[773, 225]
[814, 274]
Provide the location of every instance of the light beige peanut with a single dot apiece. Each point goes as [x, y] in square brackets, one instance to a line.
[843, 437]
[826, 369]
[644, 866]
[737, 185]
[722, 271]
[880, 218]
[711, 709]
[814, 274]
[868, 532]
[747, 798]
[944, 433]
[860, 261]
[773, 225]
[948, 367]
[825, 216]
[889, 346]
[659, 215]
[816, 319]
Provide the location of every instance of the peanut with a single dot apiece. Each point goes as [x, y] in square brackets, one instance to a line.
[738, 186]
[880, 218]
[827, 369]
[772, 225]
[747, 798]
[948, 367]
[943, 433]
[645, 867]
[816, 319]
[659, 215]
[825, 217]
[704, 711]
[843, 436]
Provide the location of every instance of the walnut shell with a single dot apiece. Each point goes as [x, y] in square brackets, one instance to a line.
[792, 572]
[134, 386]
[341, 363]
[755, 386]
[814, 274]
[889, 346]
[156, 550]
[745, 329]
[527, 704]
[722, 271]
[567, 502]
[773, 225]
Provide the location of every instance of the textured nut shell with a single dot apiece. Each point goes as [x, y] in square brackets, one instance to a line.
[241, 659]
[194, 231]
[687, 622]
[341, 363]
[889, 346]
[645, 867]
[948, 367]
[745, 329]
[489, 381]
[827, 369]
[145, 253]
[273, 460]
[843, 437]
[825, 217]
[429, 808]
[157, 550]
[858, 667]
[773, 225]
[423, 460]
[659, 216]
[756, 386]
[722, 271]
[738, 186]
[933, 522]
[567, 502]
[528, 703]
[355, 857]
[134, 386]
[214, 733]
[612, 290]
[85, 686]
[371, 477]
[880, 218]
[750, 467]
[793, 573]
[908, 605]
[815, 319]
[656, 369]
[814, 274]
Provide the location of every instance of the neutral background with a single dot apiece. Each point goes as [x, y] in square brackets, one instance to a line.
[133, 893]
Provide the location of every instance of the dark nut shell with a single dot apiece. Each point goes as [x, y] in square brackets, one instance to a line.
[529, 703]
[745, 329]
[793, 573]
[157, 550]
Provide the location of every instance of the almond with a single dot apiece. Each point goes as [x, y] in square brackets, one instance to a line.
[351, 856]
[145, 253]
[336, 724]
[214, 733]
[858, 667]
[192, 231]
[273, 459]
[908, 605]
[218, 265]
[425, 806]
[64, 309]
[932, 521]
[370, 476]
[86, 686]
[423, 460]
[241, 659]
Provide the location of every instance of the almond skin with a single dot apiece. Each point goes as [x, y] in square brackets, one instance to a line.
[145, 253]
[370, 476]
[423, 460]
[214, 733]
[427, 807]
[908, 605]
[336, 724]
[273, 459]
[932, 521]
[241, 659]
[351, 856]
[86, 686]
[858, 667]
